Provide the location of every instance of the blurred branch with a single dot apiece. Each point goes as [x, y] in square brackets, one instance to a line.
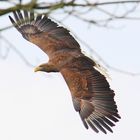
[72, 3]
[19, 6]
[99, 59]
[81, 11]
[12, 47]
[6, 28]
[71, 8]
[33, 4]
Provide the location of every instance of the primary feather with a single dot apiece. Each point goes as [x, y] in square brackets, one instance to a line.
[90, 91]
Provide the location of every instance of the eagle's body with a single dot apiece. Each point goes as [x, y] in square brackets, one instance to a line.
[90, 91]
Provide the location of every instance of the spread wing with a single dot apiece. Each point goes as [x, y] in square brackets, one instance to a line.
[42, 31]
[91, 95]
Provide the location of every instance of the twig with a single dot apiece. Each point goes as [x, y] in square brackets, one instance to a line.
[6, 28]
[67, 4]
[11, 46]
[104, 62]
[101, 59]
[19, 6]
[62, 4]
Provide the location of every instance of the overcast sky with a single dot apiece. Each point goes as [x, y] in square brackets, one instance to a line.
[38, 106]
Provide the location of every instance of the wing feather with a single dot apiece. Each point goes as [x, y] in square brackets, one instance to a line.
[17, 17]
[26, 17]
[20, 17]
[31, 16]
[90, 123]
[39, 29]
[94, 99]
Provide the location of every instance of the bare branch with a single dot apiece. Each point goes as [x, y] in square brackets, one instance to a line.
[11, 46]
[19, 6]
[63, 4]
[71, 8]
[99, 59]
[105, 64]
[6, 28]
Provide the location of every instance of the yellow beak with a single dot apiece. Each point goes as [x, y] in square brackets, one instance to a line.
[38, 69]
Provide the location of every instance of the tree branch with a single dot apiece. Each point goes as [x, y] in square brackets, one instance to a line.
[73, 10]
[11, 46]
[63, 4]
[99, 59]
[19, 6]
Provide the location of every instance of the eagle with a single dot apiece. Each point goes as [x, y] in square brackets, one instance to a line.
[91, 94]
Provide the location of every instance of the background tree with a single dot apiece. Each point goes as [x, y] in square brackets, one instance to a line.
[86, 11]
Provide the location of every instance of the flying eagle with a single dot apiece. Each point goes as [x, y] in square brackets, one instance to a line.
[91, 94]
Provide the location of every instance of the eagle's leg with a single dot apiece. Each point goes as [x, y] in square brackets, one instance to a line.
[46, 67]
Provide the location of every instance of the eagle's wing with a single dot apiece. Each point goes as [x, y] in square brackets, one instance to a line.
[42, 31]
[91, 94]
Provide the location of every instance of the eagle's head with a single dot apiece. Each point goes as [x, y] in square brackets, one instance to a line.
[45, 68]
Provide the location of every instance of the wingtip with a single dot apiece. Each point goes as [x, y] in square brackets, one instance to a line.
[119, 116]
[11, 19]
[14, 23]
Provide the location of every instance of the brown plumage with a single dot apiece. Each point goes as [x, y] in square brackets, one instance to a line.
[90, 91]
